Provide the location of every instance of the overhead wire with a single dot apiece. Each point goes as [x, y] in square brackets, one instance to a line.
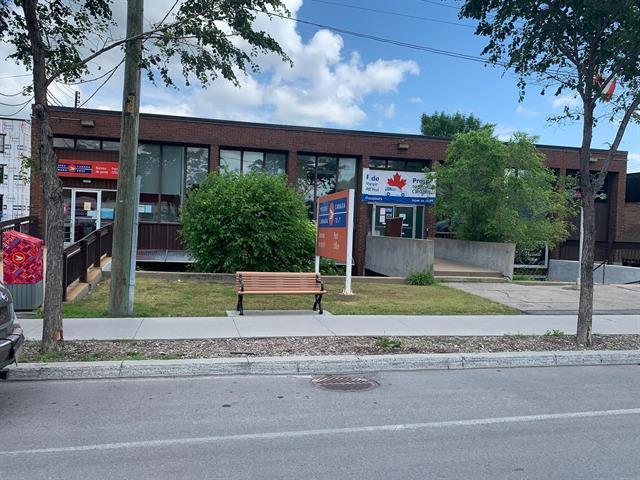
[398, 14]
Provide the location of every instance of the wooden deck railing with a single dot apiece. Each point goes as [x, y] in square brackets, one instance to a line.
[87, 252]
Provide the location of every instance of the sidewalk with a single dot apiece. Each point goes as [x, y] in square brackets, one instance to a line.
[307, 324]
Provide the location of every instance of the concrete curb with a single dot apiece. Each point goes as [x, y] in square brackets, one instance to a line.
[317, 365]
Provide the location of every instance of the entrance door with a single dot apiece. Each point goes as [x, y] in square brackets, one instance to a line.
[382, 212]
[406, 213]
[85, 211]
[380, 215]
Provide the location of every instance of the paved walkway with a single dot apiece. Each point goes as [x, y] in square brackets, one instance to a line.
[557, 299]
[302, 324]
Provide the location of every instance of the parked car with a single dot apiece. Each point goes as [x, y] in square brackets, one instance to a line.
[11, 337]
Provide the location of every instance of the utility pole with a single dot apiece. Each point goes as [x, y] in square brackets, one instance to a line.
[125, 197]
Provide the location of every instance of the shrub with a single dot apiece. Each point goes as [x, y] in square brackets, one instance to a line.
[252, 222]
[421, 278]
[330, 268]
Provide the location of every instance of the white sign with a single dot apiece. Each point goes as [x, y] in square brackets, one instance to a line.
[392, 186]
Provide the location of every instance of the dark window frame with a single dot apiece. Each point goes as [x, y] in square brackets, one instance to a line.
[315, 171]
[3, 138]
[255, 150]
[428, 163]
[157, 217]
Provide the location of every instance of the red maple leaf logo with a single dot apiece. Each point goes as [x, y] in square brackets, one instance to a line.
[397, 181]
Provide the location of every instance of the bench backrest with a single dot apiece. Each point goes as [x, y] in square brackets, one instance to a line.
[278, 281]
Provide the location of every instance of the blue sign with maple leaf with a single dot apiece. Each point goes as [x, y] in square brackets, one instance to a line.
[397, 187]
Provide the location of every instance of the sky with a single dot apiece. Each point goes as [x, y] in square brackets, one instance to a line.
[345, 81]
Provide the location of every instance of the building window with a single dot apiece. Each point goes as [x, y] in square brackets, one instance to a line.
[111, 145]
[2, 173]
[400, 165]
[2, 136]
[254, 161]
[63, 142]
[197, 166]
[319, 175]
[166, 170]
[633, 188]
[87, 144]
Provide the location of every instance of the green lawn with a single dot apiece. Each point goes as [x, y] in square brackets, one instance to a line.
[162, 298]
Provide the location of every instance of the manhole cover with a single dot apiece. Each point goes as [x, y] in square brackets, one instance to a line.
[344, 383]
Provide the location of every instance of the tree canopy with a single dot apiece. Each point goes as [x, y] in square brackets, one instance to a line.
[502, 192]
[441, 124]
[251, 221]
[579, 47]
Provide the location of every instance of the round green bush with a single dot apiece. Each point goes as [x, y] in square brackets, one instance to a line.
[252, 222]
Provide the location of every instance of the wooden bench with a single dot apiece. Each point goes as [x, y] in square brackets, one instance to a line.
[279, 283]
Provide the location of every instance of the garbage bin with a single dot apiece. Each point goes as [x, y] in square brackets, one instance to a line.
[22, 269]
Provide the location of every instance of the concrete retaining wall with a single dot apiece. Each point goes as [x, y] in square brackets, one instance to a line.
[567, 271]
[495, 256]
[393, 256]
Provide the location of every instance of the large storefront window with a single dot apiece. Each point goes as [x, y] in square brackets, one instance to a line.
[197, 166]
[246, 161]
[319, 175]
[166, 170]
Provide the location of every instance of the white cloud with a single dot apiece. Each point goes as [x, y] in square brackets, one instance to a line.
[387, 111]
[525, 112]
[567, 100]
[633, 164]
[325, 86]
[416, 100]
[504, 132]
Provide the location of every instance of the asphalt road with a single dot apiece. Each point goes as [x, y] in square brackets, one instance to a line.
[547, 423]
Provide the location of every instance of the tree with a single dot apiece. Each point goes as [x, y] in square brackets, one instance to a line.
[574, 46]
[502, 192]
[441, 124]
[253, 221]
[53, 39]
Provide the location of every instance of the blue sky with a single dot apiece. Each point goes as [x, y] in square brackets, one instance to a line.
[347, 82]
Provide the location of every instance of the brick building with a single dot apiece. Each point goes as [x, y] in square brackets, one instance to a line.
[176, 152]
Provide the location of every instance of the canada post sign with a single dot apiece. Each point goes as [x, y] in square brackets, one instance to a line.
[389, 186]
[333, 223]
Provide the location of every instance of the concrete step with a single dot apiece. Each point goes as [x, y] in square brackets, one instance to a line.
[467, 273]
[458, 278]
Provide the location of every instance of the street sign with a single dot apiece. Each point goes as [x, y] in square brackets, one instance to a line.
[335, 231]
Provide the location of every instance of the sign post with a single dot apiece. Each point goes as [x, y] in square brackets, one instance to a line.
[335, 231]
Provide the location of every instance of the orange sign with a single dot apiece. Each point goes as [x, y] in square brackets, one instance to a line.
[333, 226]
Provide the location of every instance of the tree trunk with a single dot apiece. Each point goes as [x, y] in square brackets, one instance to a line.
[52, 336]
[585, 307]
[119, 302]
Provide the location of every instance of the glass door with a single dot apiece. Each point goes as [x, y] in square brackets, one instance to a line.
[380, 215]
[382, 212]
[85, 209]
[406, 213]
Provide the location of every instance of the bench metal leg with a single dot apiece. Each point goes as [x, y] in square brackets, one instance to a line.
[315, 303]
[240, 305]
[318, 303]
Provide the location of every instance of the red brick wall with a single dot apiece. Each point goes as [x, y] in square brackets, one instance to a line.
[293, 140]
[631, 224]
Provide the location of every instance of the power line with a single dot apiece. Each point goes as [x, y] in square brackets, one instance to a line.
[113, 71]
[15, 76]
[28, 102]
[399, 43]
[413, 46]
[440, 4]
[397, 14]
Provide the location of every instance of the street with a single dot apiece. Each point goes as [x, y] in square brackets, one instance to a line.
[547, 423]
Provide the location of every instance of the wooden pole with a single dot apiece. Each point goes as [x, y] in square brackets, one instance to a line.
[125, 198]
